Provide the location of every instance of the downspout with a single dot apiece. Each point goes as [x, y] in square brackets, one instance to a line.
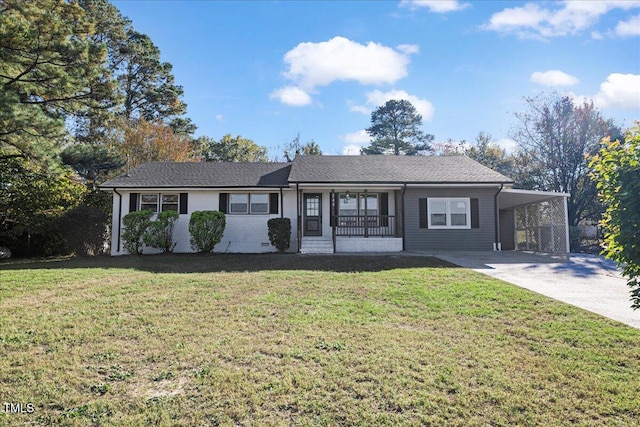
[115, 190]
[497, 246]
[404, 189]
[298, 229]
[281, 204]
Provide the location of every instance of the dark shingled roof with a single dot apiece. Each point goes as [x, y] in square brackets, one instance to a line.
[203, 174]
[392, 169]
[311, 169]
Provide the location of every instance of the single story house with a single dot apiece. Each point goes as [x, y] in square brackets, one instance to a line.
[349, 204]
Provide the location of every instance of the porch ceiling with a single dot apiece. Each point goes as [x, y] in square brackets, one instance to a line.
[512, 198]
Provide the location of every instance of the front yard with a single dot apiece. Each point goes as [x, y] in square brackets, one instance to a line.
[301, 340]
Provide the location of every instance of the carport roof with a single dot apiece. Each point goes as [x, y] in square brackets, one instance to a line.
[512, 198]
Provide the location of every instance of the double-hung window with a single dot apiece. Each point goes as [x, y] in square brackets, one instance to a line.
[243, 203]
[149, 202]
[449, 212]
[259, 204]
[170, 202]
[238, 203]
[159, 202]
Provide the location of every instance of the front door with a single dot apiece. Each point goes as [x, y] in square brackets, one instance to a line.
[312, 214]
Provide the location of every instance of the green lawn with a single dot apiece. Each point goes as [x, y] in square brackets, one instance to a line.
[302, 340]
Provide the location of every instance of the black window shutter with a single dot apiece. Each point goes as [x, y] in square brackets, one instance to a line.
[384, 209]
[184, 197]
[422, 211]
[133, 202]
[223, 202]
[273, 203]
[475, 217]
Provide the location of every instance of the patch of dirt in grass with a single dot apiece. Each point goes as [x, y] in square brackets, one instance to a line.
[159, 387]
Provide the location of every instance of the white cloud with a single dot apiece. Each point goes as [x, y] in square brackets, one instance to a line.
[507, 144]
[408, 49]
[423, 106]
[534, 21]
[360, 109]
[619, 91]
[219, 118]
[359, 137]
[436, 6]
[291, 95]
[320, 64]
[311, 65]
[629, 28]
[553, 78]
[518, 19]
[354, 142]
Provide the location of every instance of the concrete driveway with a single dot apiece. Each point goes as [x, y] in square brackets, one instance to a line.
[586, 281]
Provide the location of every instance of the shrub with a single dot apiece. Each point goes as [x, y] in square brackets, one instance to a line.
[280, 233]
[159, 233]
[575, 238]
[135, 224]
[85, 230]
[206, 229]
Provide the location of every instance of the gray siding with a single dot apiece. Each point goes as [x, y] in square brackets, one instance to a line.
[474, 239]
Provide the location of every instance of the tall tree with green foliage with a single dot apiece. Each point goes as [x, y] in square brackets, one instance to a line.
[616, 169]
[92, 124]
[555, 136]
[490, 154]
[148, 85]
[92, 161]
[48, 66]
[32, 198]
[231, 149]
[395, 129]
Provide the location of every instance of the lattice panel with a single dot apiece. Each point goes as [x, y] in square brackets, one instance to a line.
[541, 227]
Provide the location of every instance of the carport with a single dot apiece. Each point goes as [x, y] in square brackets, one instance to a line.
[533, 221]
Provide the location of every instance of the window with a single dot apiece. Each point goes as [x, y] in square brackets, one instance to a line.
[170, 202]
[449, 213]
[159, 202]
[348, 204]
[149, 202]
[352, 204]
[259, 203]
[243, 203]
[368, 202]
[238, 203]
[356, 206]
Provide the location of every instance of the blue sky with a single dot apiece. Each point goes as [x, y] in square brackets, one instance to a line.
[268, 70]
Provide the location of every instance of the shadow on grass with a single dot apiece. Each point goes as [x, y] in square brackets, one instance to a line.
[210, 263]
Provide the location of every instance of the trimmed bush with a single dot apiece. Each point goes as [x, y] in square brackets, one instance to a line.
[135, 224]
[206, 229]
[159, 234]
[280, 233]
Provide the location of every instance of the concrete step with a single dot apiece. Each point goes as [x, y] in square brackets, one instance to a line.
[316, 246]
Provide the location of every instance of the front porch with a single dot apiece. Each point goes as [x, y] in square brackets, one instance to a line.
[352, 220]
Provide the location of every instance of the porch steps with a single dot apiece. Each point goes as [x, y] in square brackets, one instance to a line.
[316, 246]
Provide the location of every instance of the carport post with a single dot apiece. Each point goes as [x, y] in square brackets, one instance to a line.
[566, 225]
